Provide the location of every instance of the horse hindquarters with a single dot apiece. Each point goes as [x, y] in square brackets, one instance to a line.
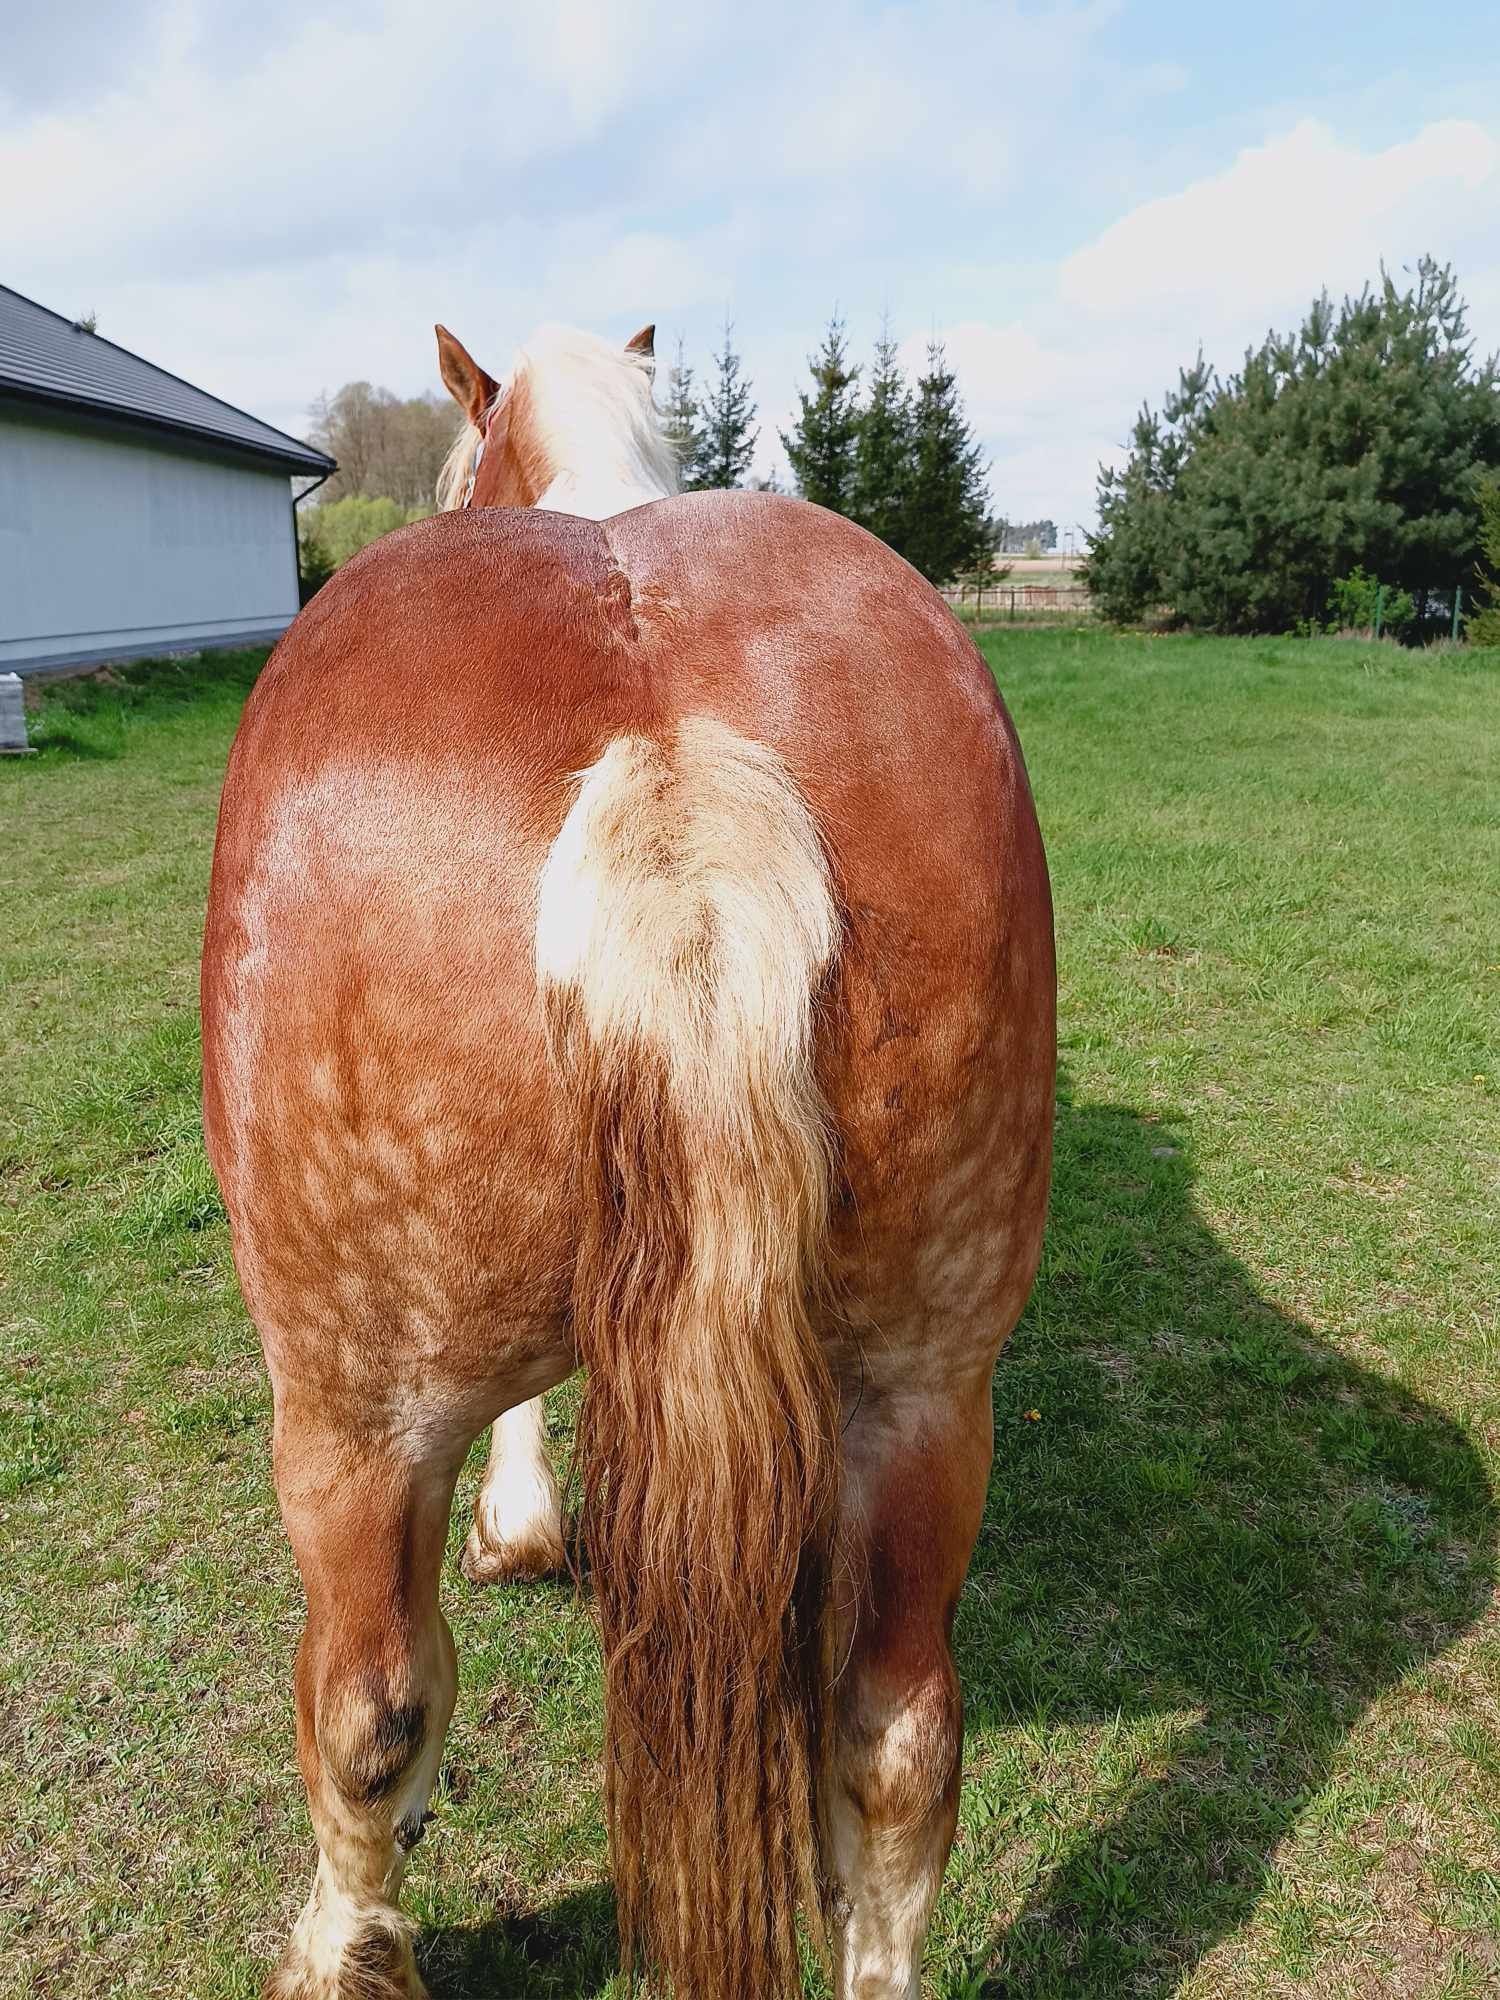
[685, 923]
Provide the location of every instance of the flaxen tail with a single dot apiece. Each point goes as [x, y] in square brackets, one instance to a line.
[686, 923]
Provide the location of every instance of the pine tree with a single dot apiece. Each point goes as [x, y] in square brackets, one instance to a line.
[726, 415]
[1352, 444]
[883, 450]
[682, 422]
[821, 444]
[1129, 558]
[1484, 622]
[947, 529]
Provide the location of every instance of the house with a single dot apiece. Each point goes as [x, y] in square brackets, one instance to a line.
[137, 514]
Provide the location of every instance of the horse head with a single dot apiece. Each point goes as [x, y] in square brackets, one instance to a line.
[574, 426]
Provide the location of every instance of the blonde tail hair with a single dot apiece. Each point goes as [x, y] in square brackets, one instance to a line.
[686, 923]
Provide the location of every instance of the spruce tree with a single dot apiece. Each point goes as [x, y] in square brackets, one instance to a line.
[883, 450]
[682, 422]
[947, 528]
[726, 416]
[821, 444]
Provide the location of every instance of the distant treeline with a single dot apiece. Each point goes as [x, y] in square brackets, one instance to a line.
[898, 457]
[386, 448]
[895, 455]
[329, 534]
[389, 453]
[1021, 538]
[1346, 467]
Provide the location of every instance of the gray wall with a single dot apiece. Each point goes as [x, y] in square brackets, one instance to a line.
[111, 546]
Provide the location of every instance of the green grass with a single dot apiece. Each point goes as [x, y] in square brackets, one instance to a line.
[1230, 1643]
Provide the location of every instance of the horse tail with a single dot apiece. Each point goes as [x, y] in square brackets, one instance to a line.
[686, 922]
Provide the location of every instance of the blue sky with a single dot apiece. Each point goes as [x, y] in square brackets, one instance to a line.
[273, 198]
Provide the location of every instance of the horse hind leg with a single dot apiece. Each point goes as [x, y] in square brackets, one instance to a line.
[376, 1680]
[915, 1475]
[517, 1528]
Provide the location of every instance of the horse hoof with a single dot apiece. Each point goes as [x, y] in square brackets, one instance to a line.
[526, 1560]
[374, 1963]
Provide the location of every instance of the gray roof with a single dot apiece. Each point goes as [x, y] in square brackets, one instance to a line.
[49, 359]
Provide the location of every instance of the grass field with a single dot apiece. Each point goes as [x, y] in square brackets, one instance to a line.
[1230, 1643]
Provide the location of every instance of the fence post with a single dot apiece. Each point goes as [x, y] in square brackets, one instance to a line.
[1458, 605]
[1379, 607]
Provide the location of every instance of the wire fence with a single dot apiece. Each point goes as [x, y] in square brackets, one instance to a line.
[1008, 602]
[1423, 617]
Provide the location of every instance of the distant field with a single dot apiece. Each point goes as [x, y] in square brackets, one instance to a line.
[1022, 567]
[1049, 588]
[1231, 1642]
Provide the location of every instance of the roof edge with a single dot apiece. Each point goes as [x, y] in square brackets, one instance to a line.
[295, 456]
[294, 444]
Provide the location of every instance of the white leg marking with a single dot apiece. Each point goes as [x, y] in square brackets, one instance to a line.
[517, 1527]
[889, 1892]
[889, 1873]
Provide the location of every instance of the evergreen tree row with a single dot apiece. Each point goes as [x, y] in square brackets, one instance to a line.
[901, 460]
[1358, 444]
[1484, 621]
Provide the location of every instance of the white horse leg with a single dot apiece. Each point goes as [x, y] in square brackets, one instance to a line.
[517, 1529]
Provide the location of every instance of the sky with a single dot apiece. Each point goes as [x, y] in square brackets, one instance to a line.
[271, 199]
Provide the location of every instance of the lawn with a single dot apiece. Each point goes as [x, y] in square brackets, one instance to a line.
[1230, 1642]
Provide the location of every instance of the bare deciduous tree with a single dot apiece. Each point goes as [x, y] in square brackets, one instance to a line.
[386, 448]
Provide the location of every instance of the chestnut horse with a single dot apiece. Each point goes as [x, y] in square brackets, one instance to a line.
[629, 944]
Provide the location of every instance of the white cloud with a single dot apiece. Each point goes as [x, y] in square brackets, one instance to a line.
[1219, 263]
[1287, 217]
[334, 139]
[880, 101]
[1005, 371]
[271, 198]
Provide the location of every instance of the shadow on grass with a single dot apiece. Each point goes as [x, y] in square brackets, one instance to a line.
[1214, 1519]
[561, 1953]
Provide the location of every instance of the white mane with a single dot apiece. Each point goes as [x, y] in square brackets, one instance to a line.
[454, 476]
[593, 417]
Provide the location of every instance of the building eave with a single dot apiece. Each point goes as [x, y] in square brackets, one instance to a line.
[294, 458]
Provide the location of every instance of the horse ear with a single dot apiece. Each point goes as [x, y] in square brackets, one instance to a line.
[464, 379]
[643, 342]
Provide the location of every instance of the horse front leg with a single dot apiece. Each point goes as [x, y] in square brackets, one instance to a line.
[517, 1530]
[375, 1683]
[915, 1473]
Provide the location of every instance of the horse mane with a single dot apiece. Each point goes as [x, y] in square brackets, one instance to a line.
[589, 420]
[454, 476]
